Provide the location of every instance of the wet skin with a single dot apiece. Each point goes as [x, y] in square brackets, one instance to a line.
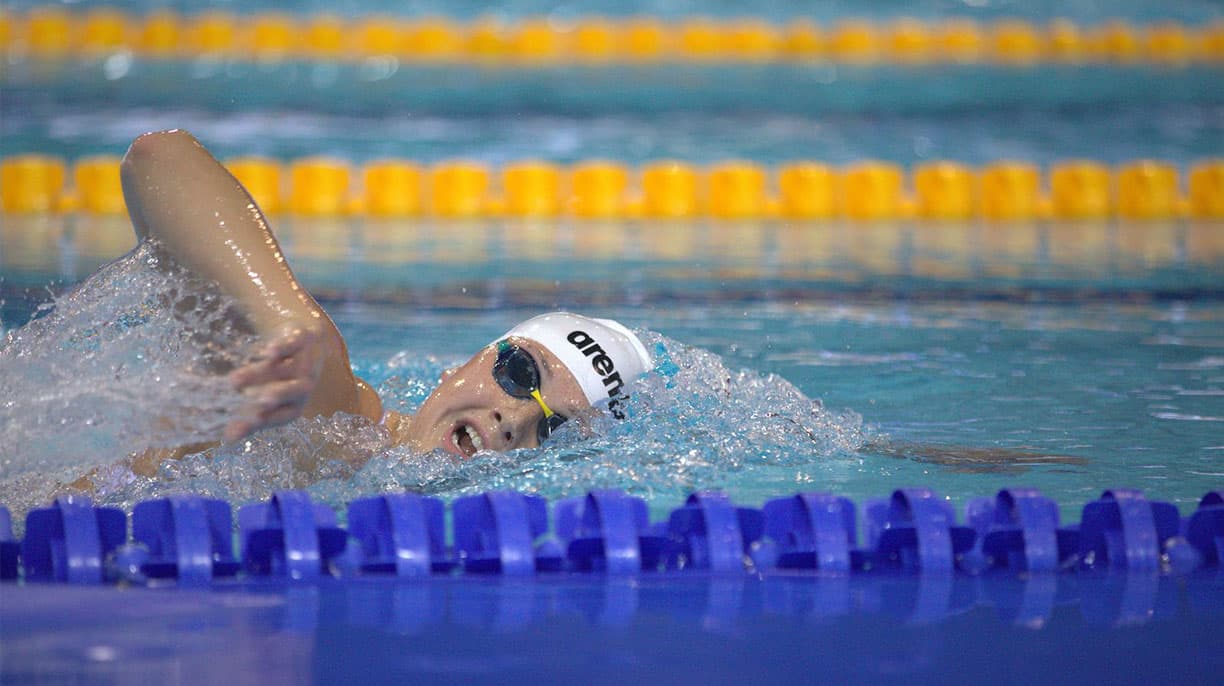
[180, 196]
[202, 217]
[469, 411]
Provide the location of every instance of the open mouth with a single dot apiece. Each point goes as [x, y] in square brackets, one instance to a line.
[467, 440]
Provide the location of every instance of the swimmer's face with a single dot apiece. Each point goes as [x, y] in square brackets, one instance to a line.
[469, 411]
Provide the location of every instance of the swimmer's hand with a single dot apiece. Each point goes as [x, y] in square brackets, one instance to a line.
[278, 382]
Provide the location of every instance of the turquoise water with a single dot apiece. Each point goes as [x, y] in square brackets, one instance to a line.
[845, 358]
[855, 359]
[1111, 133]
[807, 363]
[1134, 391]
[1129, 386]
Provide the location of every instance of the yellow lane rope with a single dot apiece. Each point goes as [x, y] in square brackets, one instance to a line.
[734, 189]
[54, 33]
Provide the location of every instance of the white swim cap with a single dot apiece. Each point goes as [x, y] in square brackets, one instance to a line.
[602, 354]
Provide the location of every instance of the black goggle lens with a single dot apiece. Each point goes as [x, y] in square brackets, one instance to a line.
[548, 425]
[515, 371]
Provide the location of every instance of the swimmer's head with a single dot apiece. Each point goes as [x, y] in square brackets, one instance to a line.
[515, 391]
[602, 355]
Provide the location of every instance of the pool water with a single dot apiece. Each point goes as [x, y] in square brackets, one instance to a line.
[965, 371]
[659, 628]
[859, 359]
[1110, 128]
[853, 358]
[1127, 385]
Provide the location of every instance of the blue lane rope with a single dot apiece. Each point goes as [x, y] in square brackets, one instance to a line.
[189, 538]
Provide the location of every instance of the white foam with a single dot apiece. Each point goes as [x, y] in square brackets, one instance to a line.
[133, 358]
[693, 424]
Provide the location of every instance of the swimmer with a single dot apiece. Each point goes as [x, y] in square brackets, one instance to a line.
[512, 394]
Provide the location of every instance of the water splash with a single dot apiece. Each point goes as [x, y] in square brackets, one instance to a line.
[134, 358]
[692, 424]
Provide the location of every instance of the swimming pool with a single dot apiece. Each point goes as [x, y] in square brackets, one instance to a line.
[1094, 377]
[965, 357]
[1114, 369]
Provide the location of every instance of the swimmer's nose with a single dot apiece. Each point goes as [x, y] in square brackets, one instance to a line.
[515, 423]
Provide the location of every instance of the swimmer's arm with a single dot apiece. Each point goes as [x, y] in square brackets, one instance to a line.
[969, 459]
[178, 194]
[144, 463]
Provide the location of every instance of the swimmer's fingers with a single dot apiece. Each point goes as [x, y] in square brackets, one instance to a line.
[278, 383]
[276, 404]
[245, 426]
[265, 371]
[292, 342]
[296, 354]
[281, 393]
[238, 429]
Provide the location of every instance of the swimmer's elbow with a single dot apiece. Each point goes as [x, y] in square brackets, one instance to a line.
[152, 153]
[154, 178]
[150, 144]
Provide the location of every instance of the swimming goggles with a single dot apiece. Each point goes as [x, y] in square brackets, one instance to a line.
[516, 372]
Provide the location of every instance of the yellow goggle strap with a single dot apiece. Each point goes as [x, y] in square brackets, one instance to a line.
[547, 412]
